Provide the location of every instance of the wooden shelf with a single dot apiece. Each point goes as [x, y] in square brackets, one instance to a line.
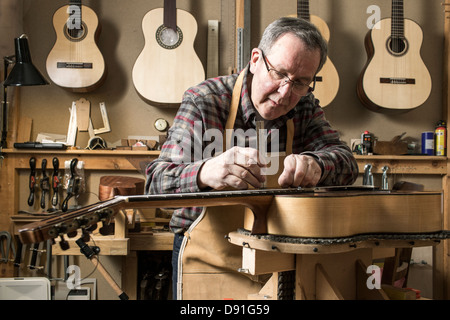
[414, 164]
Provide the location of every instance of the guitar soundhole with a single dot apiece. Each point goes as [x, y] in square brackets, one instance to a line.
[76, 34]
[168, 38]
[397, 46]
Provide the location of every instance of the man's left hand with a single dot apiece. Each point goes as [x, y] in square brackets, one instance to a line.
[300, 171]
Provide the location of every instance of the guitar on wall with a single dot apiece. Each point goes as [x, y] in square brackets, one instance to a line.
[75, 62]
[168, 64]
[327, 80]
[395, 76]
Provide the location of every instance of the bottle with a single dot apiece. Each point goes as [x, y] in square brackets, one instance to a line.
[440, 138]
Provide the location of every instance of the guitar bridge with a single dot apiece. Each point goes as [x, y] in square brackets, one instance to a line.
[398, 80]
[74, 65]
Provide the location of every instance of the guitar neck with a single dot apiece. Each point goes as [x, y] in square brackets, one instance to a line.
[170, 14]
[398, 22]
[257, 200]
[303, 9]
[74, 23]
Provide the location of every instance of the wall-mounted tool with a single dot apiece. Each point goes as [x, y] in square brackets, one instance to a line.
[6, 246]
[32, 181]
[45, 183]
[55, 182]
[73, 187]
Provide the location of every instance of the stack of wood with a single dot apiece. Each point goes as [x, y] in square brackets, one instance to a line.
[135, 144]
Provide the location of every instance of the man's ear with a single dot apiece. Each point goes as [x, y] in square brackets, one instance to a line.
[254, 58]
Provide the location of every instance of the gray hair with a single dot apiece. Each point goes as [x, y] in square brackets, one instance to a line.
[302, 29]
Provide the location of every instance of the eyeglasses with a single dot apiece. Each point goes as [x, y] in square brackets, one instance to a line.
[281, 79]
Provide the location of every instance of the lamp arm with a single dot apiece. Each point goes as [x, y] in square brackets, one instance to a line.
[6, 61]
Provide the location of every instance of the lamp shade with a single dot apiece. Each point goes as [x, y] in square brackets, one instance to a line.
[24, 73]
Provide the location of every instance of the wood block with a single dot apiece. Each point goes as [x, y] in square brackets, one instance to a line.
[261, 262]
[24, 129]
[83, 114]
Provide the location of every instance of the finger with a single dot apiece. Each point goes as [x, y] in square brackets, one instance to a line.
[307, 173]
[249, 160]
[246, 157]
[286, 178]
[246, 175]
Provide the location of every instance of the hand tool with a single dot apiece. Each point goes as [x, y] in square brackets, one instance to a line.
[55, 182]
[9, 245]
[32, 182]
[73, 186]
[45, 183]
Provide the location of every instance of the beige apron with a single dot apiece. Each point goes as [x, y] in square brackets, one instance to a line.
[208, 264]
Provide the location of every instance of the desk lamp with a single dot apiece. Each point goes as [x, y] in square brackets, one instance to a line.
[24, 73]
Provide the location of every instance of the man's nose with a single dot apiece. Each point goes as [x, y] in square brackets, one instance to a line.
[285, 88]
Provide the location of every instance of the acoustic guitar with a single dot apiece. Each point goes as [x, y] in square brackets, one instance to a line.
[75, 62]
[395, 76]
[168, 64]
[324, 212]
[327, 80]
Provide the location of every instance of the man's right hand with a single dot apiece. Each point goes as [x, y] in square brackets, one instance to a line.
[238, 168]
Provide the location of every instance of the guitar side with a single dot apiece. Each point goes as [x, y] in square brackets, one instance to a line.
[70, 52]
[327, 85]
[161, 75]
[410, 83]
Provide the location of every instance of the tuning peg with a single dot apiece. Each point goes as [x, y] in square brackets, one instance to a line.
[72, 234]
[106, 229]
[91, 227]
[64, 244]
[85, 235]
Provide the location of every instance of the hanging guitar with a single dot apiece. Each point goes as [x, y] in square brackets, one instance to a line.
[168, 64]
[75, 62]
[395, 76]
[327, 80]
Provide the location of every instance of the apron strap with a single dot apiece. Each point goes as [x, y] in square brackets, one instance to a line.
[232, 118]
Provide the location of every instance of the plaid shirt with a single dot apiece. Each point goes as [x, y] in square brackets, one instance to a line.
[205, 107]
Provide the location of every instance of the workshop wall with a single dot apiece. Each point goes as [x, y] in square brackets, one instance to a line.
[121, 41]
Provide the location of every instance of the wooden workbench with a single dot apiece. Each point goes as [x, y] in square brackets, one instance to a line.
[16, 164]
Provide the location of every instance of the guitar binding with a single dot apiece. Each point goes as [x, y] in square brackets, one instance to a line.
[161, 32]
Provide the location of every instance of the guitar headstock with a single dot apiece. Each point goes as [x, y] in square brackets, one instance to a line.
[68, 224]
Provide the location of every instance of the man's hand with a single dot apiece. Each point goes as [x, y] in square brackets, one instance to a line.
[300, 171]
[237, 168]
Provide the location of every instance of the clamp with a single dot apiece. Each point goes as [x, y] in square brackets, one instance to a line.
[9, 245]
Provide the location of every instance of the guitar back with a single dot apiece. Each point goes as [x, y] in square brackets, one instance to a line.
[161, 75]
[76, 64]
[394, 81]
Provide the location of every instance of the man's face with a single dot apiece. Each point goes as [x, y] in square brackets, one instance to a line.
[289, 57]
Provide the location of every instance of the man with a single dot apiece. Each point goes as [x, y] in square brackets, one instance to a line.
[276, 88]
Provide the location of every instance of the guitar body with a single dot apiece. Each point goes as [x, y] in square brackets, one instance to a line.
[327, 83]
[327, 80]
[161, 75]
[76, 64]
[407, 81]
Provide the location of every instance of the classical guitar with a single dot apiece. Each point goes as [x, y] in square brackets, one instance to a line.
[327, 80]
[395, 76]
[318, 212]
[75, 61]
[168, 63]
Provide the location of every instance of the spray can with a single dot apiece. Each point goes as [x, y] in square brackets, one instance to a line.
[440, 138]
